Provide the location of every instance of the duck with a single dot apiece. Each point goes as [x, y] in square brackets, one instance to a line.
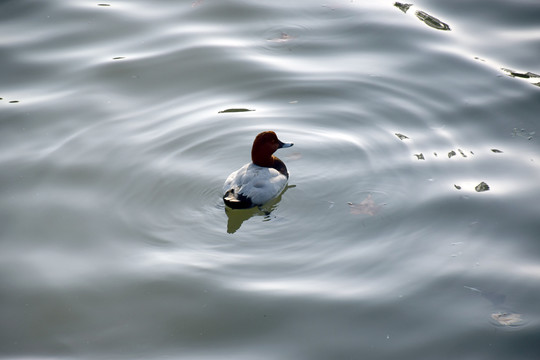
[261, 180]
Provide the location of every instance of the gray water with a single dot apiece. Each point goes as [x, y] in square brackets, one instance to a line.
[114, 241]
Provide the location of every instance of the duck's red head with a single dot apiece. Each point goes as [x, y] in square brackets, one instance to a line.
[265, 144]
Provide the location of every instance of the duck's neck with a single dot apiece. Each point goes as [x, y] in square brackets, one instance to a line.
[271, 162]
[265, 160]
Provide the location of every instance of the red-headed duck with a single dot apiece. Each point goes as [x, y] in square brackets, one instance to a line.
[262, 179]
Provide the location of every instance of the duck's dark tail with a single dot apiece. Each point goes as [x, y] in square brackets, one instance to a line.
[237, 201]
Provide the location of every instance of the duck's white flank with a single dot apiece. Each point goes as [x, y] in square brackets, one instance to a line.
[257, 183]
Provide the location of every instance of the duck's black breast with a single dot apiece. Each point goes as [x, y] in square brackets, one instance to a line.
[280, 166]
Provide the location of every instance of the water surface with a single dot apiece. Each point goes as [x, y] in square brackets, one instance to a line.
[114, 147]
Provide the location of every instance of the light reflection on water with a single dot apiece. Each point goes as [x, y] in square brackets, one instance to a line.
[115, 147]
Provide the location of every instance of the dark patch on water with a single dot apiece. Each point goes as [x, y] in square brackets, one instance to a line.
[234, 110]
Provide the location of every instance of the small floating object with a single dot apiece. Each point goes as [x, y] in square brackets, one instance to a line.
[432, 21]
[234, 110]
[481, 187]
[507, 319]
[14, 102]
[103, 4]
[457, 187]
[402, 7]
[366, 207]
[497, 151]
[401, 136]
[451, 153]
[523, 75]
[283, 37]
[530, 76]
[523, 133]
[420, 156]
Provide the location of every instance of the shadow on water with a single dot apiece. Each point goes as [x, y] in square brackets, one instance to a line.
[236, 217]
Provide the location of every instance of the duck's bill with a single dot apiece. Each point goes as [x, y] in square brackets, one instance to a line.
[285, 145]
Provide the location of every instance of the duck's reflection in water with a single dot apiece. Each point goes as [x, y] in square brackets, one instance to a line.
[236, 217]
